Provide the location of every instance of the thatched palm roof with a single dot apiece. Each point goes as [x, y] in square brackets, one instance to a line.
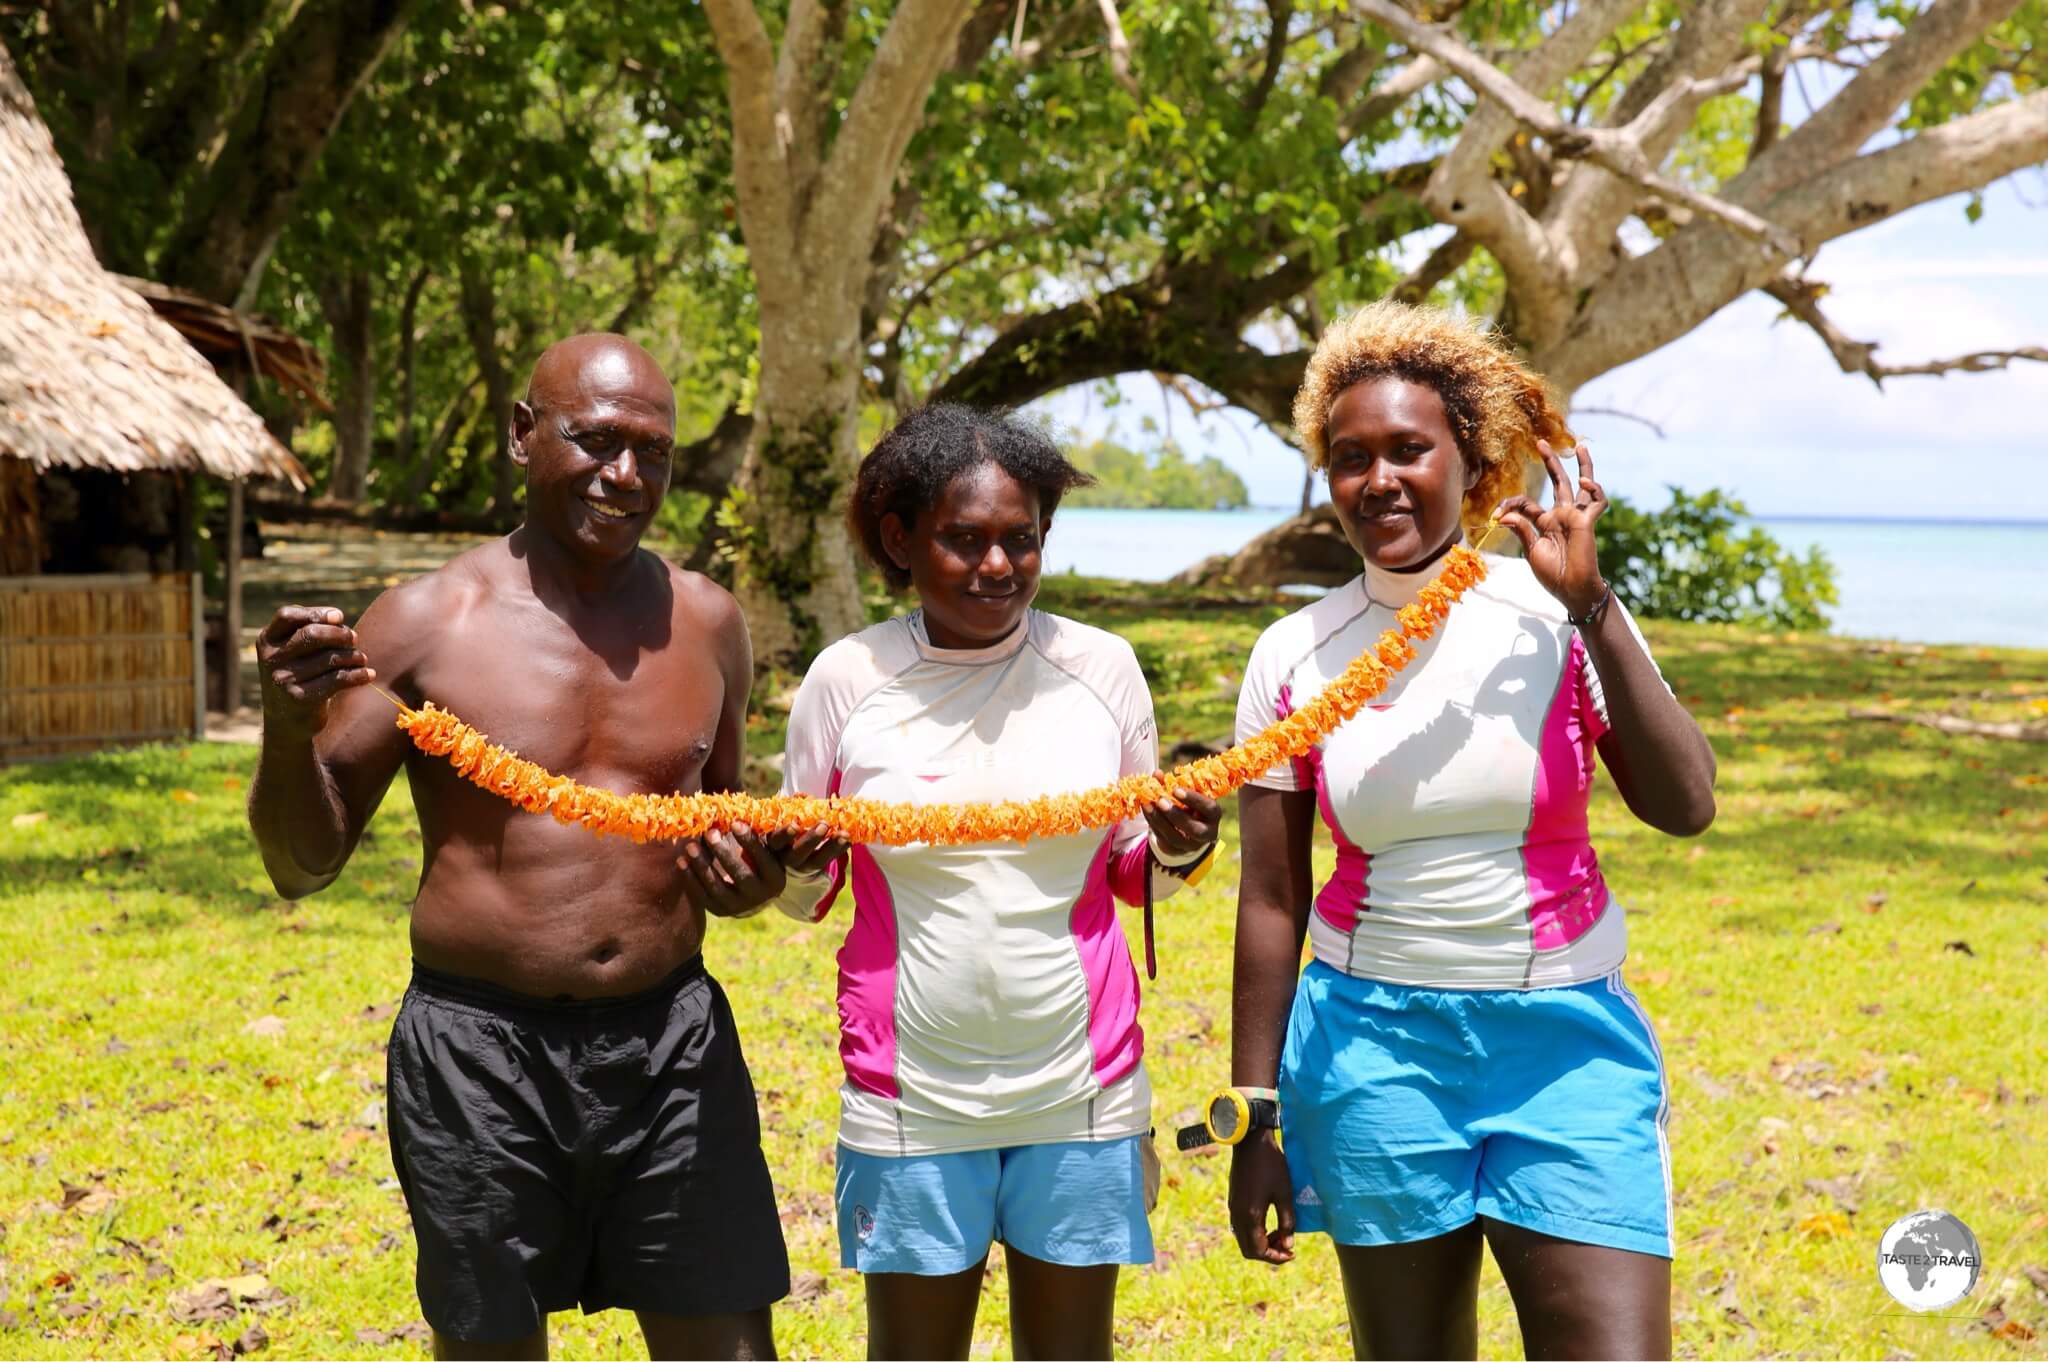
[237, 342]
[90, 377]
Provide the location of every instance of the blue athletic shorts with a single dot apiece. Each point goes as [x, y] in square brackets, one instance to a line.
[1406, 1112]
[1079, 1204]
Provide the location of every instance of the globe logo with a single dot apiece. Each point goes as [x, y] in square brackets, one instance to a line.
[1928, 1260]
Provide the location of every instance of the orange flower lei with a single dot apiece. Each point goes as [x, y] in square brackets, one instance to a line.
[668, 818]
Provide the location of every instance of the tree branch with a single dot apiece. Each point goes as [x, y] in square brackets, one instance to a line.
[1617, 151]
[1650, 300]
[1620, 415]
[885, 110]
[1770, 103]
[1281, 14]
[1390, 94]
[804, 72]
[1119, 48]
[761, 179]
[1556, 57]
[1801, 298]
[1957, 726]
[1865, 105]
[1440, 264]
[232, 216]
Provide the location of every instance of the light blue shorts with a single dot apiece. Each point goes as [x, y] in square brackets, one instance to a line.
[1079, 1204]
[1407, 1112]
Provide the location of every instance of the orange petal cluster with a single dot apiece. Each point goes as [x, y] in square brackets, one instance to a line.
[667, 818]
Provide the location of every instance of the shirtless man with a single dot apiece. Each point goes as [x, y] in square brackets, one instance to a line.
[570, 1115]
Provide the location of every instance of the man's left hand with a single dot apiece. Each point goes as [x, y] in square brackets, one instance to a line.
[1184, 824]
[730, 874]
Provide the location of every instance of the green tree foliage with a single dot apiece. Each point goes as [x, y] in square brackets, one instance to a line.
[1696, 559]
[1192, 193]
[1166, 480]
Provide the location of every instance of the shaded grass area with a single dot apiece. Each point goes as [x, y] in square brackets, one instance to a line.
[1848, 973]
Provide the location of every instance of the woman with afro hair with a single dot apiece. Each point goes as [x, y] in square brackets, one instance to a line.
[988, 1008]
[1460, 1062]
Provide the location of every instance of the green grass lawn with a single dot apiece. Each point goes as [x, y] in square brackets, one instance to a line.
[1848, 973]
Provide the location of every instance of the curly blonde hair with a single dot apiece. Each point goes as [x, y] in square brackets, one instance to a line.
[1498, 409]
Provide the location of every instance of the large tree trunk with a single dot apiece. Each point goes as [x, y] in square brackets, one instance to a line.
[405, 437]
[349, 303]
[796, 581]
[811, 203]
[480, 321]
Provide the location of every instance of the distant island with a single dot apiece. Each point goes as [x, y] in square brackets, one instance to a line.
[1167, 479]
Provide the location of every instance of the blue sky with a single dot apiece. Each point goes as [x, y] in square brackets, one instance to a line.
[1762, 411]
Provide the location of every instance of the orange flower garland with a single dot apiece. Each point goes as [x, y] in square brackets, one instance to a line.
[668, 818]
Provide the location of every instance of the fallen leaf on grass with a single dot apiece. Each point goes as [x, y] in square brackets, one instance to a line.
[2038, 1276]
[2002, 1325]
[265, 1026]
[221, 1298]
[1825, 929]
[377, 1012]
[184, 797]
[417, 1332]
[1731, 1305]
[231, 784]
[207, 1303]
[807, 1286]
[1959, 947]
[252, 1340]
[200, 1345]
[85, 1200]
[1706, 1084]
[1824, 1225]
[28, 820]
[1840, 1190]
[1875, 901]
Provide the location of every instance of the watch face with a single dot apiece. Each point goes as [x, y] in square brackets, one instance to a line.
[1223, 1118]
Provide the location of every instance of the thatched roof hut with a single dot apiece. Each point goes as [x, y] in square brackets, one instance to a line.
[90, 376]
[92, 379]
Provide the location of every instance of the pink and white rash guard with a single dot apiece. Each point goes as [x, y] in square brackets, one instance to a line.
[1457, 800]
[986, 995]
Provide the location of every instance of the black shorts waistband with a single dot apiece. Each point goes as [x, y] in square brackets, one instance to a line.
[484, 996]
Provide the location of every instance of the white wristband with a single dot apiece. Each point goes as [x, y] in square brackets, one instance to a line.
[1189, 859]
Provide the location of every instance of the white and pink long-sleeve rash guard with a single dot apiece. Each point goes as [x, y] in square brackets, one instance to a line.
[986, 994]
[1457, 800]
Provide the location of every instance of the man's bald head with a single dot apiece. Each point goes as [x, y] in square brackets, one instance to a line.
[601, 366]
[595, 434]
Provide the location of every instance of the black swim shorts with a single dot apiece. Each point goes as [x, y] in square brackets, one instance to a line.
[605, 1154]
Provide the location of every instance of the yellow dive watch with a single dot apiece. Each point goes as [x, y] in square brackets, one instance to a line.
[1232, 1114]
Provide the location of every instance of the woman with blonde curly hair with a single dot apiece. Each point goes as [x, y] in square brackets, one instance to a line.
[1460, 1062]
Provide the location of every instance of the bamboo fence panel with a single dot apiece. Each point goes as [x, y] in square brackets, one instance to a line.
[98, 660]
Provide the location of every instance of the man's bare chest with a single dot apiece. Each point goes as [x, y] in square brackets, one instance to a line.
[629, 712]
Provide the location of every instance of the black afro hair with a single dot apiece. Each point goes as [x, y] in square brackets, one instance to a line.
[910, 468]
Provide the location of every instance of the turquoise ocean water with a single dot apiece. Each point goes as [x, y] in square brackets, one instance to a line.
[1953, 582]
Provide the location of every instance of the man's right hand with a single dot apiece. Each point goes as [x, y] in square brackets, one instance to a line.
[1259, 1182]
[306, 656]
